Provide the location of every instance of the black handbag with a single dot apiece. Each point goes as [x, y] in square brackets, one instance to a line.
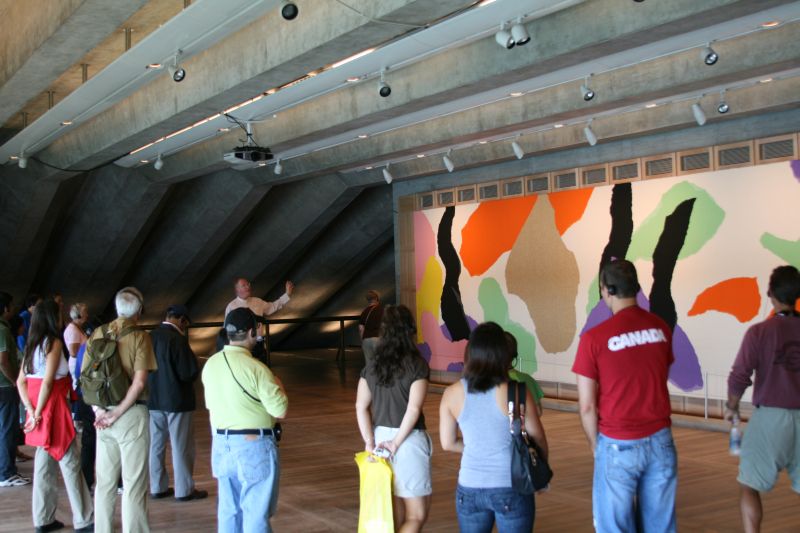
[529, 470]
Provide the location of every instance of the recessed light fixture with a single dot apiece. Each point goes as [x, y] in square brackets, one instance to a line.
[765, 80]
[482, 142]
[223, 130]
[368, 168]
[558, 125]
[66, 123]
[586, 91]
[651, 106]
[448, 163]
[771, 24]
[362, 136]
[515, 94]
[144, 161]
[14, 157]
[420, 155]
[352, 79]
[723, 106]
[154, 66]
[708, 55]
[262, 164]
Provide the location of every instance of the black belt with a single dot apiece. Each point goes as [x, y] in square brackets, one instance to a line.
[245, 432]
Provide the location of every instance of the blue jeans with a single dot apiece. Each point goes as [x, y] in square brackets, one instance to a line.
[9, 427]
[634, 484]
[478, 509]
[247, 472]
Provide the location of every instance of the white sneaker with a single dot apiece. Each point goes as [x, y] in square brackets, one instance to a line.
[15, 481]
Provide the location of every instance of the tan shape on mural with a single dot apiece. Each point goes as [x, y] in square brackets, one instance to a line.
[544, 274]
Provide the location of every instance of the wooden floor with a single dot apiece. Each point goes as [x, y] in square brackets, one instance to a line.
[319, 482]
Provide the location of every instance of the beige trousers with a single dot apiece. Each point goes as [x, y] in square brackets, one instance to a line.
[45, 487]
[123, 448]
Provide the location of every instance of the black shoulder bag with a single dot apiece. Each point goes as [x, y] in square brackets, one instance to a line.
[529, 471]
[277, 430]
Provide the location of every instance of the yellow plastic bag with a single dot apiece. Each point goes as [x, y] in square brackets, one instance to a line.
[375, 514]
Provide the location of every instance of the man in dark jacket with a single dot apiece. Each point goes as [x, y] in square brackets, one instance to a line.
[171, 404]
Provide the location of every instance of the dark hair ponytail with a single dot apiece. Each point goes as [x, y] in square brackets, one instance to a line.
[43, 331]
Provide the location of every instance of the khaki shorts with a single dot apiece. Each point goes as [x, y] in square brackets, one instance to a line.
[411, 464]
[771, 443]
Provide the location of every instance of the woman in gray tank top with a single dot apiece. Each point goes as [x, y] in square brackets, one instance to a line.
[476, 405]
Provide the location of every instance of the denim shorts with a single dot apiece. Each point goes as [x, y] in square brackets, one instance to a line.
[411, 465]
[478, 510]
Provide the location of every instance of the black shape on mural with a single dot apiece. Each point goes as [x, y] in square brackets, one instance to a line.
[452, 307]
[665, 257]
[619, 239]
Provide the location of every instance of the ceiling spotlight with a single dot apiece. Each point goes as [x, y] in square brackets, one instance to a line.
[591, 138]
[504, 38]
[178, 73]
[289, 11]
[448, 162]
[723, 106]
[383, 88]
[387, 175]
[699, 115]
[708, 55]
[278, 167]
[159, 164]
[586, 91]
[518, 151]
[519, 33]
[22, 161]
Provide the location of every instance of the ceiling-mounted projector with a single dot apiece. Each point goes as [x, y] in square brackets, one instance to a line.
[247, 155]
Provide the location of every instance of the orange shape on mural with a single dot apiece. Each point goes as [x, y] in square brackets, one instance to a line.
[491, 231]
[569, 206]
[736, 296]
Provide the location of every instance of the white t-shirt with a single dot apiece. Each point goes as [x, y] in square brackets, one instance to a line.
[40, 363]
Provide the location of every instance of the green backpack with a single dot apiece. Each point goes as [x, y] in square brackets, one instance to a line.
[103, 381]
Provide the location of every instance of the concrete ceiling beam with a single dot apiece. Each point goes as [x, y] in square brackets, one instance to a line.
[43, 38]
[599, 28]
[269, 53]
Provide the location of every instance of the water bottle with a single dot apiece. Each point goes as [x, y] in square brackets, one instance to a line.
[735, 442]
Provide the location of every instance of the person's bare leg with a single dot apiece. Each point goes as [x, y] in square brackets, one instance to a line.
[752, 512]
[416, 511]
[398, 512]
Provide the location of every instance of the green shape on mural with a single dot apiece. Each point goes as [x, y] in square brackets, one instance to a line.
[495, 309]
[789, 251]
[594, 294]
[706, 219]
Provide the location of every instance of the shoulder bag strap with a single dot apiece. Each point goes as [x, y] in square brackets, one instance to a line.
[237, 381]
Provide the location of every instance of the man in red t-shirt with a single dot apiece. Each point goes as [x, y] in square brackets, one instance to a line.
[623, 367]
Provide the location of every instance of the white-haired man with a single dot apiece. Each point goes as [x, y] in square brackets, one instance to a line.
[124, 435]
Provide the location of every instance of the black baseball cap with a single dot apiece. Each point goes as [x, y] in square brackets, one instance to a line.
[240, 320]
[179, 311]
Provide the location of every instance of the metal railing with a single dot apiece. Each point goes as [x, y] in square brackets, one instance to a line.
[340, 352]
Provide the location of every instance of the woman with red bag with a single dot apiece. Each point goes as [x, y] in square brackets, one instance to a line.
[44, 385]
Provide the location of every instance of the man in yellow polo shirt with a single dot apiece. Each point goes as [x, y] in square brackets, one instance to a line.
[244, 399]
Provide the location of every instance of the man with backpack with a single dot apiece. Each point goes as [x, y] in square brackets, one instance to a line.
[113, 379]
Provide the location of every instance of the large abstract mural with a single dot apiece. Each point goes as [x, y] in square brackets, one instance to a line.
[703, 245]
